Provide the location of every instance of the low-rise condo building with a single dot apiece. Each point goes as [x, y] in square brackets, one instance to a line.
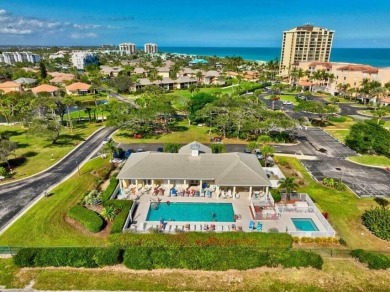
[81, 59]
[342, 73]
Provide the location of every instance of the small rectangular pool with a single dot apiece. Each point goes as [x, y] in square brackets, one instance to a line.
[195, 212]
[304, 224]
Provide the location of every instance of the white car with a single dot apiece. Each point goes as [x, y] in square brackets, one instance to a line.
[289, 102]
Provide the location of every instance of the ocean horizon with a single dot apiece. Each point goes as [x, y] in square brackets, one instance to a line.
[378, 57]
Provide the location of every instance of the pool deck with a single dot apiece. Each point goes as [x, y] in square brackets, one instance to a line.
[241, 207]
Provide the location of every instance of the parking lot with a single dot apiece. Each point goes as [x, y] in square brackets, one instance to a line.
[364, 181]
[320, 139]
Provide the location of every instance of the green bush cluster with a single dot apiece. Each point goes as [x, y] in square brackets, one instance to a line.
[106, 195]
[216, 258]
[87, 257]
[369, 137]
[375, 261]
[338, 119]
[377, 220]
[124, 206]
[204, 239]
[88, 218]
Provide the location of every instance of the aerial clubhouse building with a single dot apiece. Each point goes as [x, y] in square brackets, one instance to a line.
[195, 168]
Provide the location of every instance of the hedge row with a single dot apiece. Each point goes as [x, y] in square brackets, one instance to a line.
[87, 257]
[88, 218]
[216, 258]
[194, 258]
[120, 219]
[375, 261]
[106, 195]
[204, 239]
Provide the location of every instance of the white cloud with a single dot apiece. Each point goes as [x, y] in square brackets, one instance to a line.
[89, 35]
[11, 24]
[13, 31]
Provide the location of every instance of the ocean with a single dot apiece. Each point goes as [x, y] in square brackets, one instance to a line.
[373, 57]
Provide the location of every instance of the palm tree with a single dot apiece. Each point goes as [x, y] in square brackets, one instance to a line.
[288, 185]
[267, 150]
[69, 101]
[199, 76]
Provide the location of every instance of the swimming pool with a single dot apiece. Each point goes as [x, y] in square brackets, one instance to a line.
[187, 212]
[304, 224]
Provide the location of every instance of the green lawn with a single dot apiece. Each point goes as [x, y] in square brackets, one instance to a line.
[290, 98]
[187, 134]
[336, 275]
[340, 134]
[227, 89]
[44, 224]
[34, 154]
[344, 208]
[369, 113]
[371, 160]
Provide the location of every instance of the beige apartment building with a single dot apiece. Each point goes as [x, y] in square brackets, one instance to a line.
[150, 48]
[305, 43]
[344, 73]
[127, 48]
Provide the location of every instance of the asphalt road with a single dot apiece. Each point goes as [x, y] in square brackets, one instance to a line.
[17, 196]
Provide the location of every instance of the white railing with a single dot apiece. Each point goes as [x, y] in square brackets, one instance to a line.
[324, 222]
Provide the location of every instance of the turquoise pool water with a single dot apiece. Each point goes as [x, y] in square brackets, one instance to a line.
[304, 224]
[187, 212]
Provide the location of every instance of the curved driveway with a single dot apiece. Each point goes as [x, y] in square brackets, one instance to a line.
[17, 196]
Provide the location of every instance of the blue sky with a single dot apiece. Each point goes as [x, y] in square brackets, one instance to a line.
[251, 23]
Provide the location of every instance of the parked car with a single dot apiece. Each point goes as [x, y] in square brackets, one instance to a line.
[160, 149]
[247, 151]
[106, 140]
[140, 150]
[128, 153]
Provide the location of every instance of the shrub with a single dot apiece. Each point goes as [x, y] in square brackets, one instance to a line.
[216, 258]
[88, 218]
[339, 119]
[108, 256]
[172, 147]
[106, 195]
[276, 195]
[24, 257]
[377, 220]
[217, 148]
[120, 219]
[87, 257]
[92, 198]
[138, 258]
[3, 171]
[375, 261]
[258, 240]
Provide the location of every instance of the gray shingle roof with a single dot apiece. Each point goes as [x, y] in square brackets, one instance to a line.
[186, 149]
[227, 169]
[25, 80]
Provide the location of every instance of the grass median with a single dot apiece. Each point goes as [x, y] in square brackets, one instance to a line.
[374, 160]
[34, 154]
[45, 223]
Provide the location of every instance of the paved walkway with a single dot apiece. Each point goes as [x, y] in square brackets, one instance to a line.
[17, 196]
